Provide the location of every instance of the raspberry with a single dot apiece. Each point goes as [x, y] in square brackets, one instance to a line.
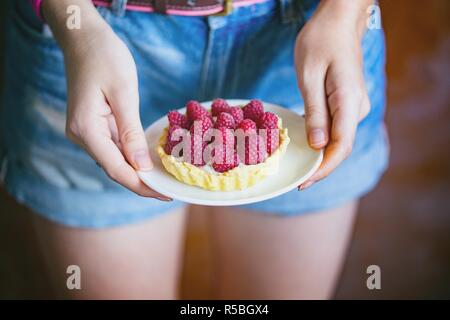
[196, 152]
[171, 141]
[168, 148]
[253, 110]
[237, 114]
[268, 121]
[253, 152]
[227, 136]
[254, 149]
[227, 165]
[218, 106]
[195, 111]
[178, 119]
[170, 133]
[200, 127]
[247, 125]
[272, 140]
[226, 141]
[224, 120]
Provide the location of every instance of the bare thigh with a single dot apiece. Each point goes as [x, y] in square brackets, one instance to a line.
[261, 256]
[138, 261]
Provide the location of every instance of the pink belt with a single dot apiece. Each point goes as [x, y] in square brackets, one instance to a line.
[175, 7]
[184, 7]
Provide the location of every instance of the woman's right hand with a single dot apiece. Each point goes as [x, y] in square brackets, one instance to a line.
[103, 100]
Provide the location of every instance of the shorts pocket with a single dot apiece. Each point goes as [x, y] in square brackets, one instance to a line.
[29, 26]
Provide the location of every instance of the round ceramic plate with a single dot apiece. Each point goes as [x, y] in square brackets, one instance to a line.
[297, 165]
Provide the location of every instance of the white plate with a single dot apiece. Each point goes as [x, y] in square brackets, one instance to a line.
[297, 165]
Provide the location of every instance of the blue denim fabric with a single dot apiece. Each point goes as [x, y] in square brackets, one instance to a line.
[248, 54]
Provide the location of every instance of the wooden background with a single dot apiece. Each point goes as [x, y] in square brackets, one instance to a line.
[403, 226]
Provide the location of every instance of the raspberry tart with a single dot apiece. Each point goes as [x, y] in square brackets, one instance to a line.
[226, 148]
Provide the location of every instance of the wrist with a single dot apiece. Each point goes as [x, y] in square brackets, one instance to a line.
[91, 23]
[352, 15]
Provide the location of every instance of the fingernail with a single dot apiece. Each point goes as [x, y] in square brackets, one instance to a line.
[164, 199]
[142, 160]
[305, 185]
[316, 137]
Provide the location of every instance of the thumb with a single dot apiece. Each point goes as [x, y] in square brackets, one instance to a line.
[125, 108]
[316, 111]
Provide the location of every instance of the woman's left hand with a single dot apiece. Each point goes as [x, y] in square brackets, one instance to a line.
[329, 70]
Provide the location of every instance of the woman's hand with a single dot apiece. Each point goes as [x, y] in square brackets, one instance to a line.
[103, 100]
[330, 75]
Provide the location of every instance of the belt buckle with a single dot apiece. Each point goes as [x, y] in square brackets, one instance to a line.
[227, 9]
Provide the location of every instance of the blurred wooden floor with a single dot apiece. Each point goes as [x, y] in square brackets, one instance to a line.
[403, 226]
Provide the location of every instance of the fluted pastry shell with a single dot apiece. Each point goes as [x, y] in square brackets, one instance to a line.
[239, 178]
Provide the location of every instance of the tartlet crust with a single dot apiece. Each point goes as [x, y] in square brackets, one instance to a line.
[239, 178]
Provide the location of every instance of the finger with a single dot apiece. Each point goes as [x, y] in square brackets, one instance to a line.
[105, 152]
[343, 129]
[125, 107]
[114, 131]
[312, 86]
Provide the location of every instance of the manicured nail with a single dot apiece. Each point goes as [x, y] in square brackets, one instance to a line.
[165, 199]
[316, 137]
[305, 185]
[142, 160]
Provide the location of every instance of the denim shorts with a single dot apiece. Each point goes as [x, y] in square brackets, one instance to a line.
[248, 54]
